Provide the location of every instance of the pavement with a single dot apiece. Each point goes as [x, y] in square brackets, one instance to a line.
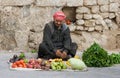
[5, 72]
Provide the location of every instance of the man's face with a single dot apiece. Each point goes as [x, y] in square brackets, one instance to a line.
[58, 22]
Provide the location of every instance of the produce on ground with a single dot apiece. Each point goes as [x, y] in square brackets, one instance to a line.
[96, 56]
[19, 63]
[115, 58]
[77, 64]
[58, 64]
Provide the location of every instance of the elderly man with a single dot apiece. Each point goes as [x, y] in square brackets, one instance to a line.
[56, 39]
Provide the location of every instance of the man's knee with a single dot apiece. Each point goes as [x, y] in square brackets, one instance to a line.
[42, 46]
[74, 45]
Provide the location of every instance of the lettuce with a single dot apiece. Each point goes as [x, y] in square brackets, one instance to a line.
[77, 64]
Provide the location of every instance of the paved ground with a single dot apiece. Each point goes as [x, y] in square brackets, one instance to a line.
[5, 72]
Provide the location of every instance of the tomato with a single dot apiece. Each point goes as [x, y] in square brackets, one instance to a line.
[14, 66]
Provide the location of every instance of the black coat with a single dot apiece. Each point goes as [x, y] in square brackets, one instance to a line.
[56, 38]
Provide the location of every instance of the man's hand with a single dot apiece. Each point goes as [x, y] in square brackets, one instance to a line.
[64, 55]
[58, 53]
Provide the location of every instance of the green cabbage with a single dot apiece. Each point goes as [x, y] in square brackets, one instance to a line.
[77, 64]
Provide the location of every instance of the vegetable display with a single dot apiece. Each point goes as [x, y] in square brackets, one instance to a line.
[95, 56]
[77, 64]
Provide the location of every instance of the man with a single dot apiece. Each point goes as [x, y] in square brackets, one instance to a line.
[56, 39]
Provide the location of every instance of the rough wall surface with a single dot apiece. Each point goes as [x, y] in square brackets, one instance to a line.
[22, 22]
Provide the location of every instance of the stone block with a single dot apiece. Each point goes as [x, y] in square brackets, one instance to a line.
[59, 2]
[105, 15]
[114, 0]
[97, 16]
[74, 2]
[80, 22]
[98, 22]
[51, 2]
[98, 28]
[104, 8]
[118, 18]
[103, 2]
[79, 16]
[90, 2]
[86, 28]
[15, 2]
[111, 15]
[21, 38]
[89, 23]
[79, 28]
[114, 7]
[95, 9]
[91, 28]
[87, 16]
[82, 10]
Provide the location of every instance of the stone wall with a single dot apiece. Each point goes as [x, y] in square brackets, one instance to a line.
[22, 22]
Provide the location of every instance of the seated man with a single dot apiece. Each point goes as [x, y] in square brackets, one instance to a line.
[56, 39]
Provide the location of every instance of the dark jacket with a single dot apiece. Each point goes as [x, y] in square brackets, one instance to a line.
[56, 38]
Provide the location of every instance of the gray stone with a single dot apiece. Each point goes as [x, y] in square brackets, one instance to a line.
[7, 41]
[105, 14]
[114, 7]
[51, 2]
[72, 27]
[80, 22]
[31, 45]
[79, 16]
[90, 2]
[97, 16]
[111, 24]
[59, 3]
[95, 9]
[118, 18]
[89, 23]
[21, 38]
[114, 1]
[112, 15]
[98, 22]
[102, 2]
[87, 16]
[83, 10]
[91, 29]
[15, 2]
[98, 28]
[79, 28]
[104, 8]
[75, 2]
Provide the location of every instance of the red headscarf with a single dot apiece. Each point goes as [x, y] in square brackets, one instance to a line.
[59, 15]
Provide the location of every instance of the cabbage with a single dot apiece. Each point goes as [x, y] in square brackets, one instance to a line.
[77, 64]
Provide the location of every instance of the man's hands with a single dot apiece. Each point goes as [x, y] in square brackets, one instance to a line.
[60, 54]
[64, 55]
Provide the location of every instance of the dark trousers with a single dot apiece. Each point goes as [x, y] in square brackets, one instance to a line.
[45, 52]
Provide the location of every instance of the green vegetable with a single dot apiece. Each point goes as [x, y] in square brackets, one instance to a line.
[26, 60]
[77, 64]
[53, 67]
[64, 66]
[22, 55]
[95, 56]
[115, 58]
[33, 51]
[59, 68]
[58, 65]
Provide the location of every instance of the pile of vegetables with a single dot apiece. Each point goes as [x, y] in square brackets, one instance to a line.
[96, 56]
[77, 64]
[58, 64]
[115, 58]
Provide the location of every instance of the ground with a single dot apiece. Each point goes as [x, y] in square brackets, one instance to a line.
[5, 72]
